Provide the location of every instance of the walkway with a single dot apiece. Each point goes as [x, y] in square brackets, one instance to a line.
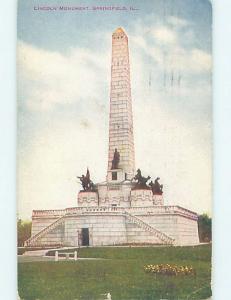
[25, 259]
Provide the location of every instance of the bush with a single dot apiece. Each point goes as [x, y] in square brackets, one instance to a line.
[205, 228]
[24, 231]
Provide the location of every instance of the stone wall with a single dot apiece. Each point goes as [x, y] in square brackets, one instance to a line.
[103, 230]
[187, 231]
[184, 230]
[158, 199]
[111, 226]
[40, 223]
[112, 194]
[137, 235]
[141, 197]
[55, 237]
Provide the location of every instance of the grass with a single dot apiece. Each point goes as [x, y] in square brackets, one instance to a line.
[121, 274]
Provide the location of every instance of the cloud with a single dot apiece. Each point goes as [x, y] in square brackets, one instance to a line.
[201, 60]
[190, 61]
[178, 22]
[49, 78]
[163, 45]
[164, 35]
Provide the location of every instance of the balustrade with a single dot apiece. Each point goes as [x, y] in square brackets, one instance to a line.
[103, 209]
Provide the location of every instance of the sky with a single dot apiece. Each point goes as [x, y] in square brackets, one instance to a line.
[63, 78]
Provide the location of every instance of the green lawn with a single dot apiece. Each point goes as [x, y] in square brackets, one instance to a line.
[121, 274]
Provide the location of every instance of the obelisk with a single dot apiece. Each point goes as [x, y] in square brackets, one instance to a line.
[120, 120]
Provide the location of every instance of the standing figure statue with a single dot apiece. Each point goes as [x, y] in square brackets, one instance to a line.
[157, 189]
[141, 181]
[116, 160]
[86, 182]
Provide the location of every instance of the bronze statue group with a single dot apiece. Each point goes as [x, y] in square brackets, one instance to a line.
[86, 182]
[140, 181]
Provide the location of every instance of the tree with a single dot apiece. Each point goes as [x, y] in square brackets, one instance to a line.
[24, 231]
[205, 228]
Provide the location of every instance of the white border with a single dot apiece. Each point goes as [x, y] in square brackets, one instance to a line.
[222, 150]
[8, 274]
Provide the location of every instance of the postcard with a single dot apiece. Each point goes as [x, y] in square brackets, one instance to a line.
[114, 149]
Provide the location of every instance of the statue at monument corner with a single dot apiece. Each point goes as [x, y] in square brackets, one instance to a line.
[116, 160]
[157, 189]
[141, 182]
[86, 182]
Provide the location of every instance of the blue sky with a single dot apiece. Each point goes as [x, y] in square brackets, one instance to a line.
[63, 97]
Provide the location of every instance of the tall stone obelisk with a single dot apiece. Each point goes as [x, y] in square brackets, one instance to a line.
[121, 122]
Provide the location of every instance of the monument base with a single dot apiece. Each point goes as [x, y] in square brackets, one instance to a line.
[158, 199]
[87, 198]
[141, 197]
[101, 226]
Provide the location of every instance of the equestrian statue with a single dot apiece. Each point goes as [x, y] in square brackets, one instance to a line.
[141, 182]
[86, 182]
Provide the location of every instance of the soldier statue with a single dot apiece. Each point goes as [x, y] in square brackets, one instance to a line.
[116, 160]
[157, 189]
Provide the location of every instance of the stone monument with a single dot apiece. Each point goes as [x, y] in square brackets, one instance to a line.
[120, 121]
[127, 208]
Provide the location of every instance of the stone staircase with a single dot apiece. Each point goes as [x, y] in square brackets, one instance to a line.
[160, 235]
[44, 231]
[133, 219]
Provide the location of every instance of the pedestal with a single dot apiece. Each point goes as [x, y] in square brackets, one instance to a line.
[158, 199]
[116, 175]
[141, 197]
[87, 199]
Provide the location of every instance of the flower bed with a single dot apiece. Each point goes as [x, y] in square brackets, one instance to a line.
[166, 269]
